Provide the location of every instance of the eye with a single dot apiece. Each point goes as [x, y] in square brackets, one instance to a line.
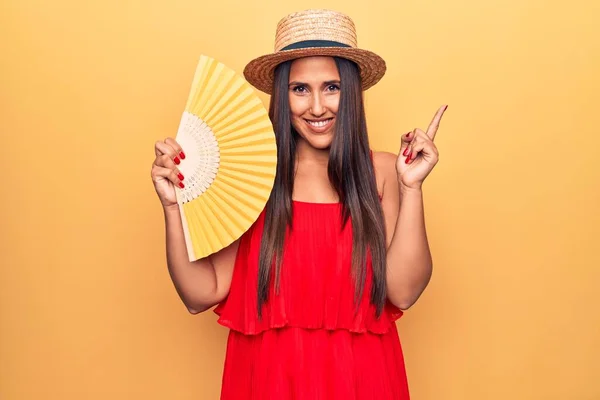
[333, 88]
[299, 89]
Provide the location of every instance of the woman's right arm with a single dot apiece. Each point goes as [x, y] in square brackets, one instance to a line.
[203, 283]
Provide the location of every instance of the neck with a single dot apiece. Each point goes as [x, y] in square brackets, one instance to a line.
[307, 153]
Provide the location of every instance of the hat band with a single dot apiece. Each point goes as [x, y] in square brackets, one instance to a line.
[313, 43]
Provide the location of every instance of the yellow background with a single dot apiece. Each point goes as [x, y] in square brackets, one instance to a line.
[87, 307]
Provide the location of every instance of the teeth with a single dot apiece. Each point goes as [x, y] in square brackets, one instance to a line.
[319, 124]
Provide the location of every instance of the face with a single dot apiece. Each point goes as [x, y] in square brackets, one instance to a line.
[314, 95]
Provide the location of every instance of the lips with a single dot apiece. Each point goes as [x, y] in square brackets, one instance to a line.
[319, 126]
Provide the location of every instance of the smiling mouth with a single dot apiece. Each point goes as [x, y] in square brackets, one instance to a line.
[319, 125]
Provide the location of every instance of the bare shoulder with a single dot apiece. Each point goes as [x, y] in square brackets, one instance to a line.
[387, 184]
[384, 160]
[385, 169]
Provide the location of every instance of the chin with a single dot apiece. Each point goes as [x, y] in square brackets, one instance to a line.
[322, 142]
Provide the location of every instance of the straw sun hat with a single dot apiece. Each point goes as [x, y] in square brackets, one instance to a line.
[314, 33]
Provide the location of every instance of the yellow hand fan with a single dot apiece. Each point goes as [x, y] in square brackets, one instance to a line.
[231, 159]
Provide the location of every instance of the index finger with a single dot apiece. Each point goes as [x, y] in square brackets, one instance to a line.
[435, 122]
[176, 146]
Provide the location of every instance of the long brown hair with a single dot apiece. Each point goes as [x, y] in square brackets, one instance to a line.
[351, 173]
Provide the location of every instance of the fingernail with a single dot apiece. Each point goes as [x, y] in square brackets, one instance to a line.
[405, 151]
[180, 176]
[176, 160]
[407, 159]
[408, 134]
[181, 185]
[182, 155]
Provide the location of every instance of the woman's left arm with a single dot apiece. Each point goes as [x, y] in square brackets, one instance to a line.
[409, 261]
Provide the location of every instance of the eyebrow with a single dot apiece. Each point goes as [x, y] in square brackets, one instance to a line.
[296, 83]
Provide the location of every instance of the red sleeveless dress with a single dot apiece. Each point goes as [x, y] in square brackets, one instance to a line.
[309, 344]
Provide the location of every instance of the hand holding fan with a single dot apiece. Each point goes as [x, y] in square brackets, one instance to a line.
[231, 159]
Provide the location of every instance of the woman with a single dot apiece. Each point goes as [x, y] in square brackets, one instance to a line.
[312, 290]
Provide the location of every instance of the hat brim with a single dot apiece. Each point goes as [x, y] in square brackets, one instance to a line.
[260, 72]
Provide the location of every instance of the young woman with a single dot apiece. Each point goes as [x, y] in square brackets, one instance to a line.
[312, 290]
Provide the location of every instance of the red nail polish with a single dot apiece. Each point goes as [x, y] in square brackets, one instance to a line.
[407, 159]
[405, 151]
[180, 176]
[181, 185]
[176, 160]
[182, 155]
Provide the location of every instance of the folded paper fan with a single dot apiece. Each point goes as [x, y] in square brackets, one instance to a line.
[231, 158]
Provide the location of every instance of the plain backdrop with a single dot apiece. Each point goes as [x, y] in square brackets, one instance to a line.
[87, 309]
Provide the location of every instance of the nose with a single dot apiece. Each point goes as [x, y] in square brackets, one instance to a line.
[316, 107]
